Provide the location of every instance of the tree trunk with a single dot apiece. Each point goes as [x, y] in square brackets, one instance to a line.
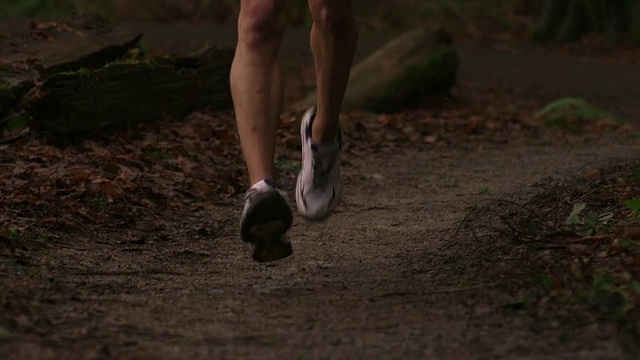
[568, 20]
[401, 74]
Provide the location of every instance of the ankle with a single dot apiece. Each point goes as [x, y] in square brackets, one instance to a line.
[323, 131]
[267, 180]
[324, 138]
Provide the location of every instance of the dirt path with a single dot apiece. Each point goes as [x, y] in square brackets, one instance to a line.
[385, 278]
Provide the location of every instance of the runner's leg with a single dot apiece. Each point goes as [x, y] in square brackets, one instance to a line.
[256, 84]
[257, 91]
[333, 42]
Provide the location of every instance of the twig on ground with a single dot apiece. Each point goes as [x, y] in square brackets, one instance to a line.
[531, 213]
[13, 138]
[604, 188]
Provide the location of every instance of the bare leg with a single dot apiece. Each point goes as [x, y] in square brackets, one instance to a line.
[333, 42]
[256, 84]
[257, 91]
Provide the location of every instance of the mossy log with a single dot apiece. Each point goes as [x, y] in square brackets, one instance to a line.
[131, 91]
[86, 75]
[401, 74]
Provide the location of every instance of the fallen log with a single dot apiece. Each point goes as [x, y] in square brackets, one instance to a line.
[131, 91]
[80, 78]
[401, 74]
[50, 47]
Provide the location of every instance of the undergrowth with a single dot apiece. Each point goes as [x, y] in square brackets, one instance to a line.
[584, 235]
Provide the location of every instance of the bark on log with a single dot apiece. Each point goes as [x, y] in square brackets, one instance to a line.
[401, 74]
[131, 92]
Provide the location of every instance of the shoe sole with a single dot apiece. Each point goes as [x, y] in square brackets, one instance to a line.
[265, 226]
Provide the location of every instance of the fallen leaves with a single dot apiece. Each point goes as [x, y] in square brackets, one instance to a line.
[162, 167]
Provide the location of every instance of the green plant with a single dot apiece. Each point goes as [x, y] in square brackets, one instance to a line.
[157, 154]
[15, 238]
[625, 244]
[559, 113]
[545, 281]
[99, 202]
[14, 235]
[634, 206]
[286, 165]
[18, 121]
[588, 223]
[5, 335]
[608, 298]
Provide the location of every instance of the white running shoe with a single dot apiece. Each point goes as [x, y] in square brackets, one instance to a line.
[319, 186]
[266, 218]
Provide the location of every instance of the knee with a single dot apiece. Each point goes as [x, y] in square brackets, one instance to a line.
[332, 15]
[260, 21]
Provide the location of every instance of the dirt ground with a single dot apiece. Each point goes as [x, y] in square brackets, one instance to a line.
[388, 277]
